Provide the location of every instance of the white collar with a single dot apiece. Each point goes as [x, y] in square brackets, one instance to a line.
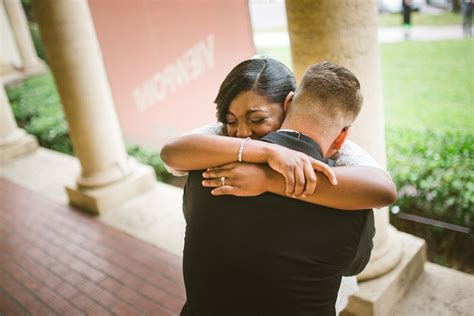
[290, 131]
[287, 130]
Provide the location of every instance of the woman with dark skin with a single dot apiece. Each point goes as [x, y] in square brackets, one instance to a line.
[250, 104]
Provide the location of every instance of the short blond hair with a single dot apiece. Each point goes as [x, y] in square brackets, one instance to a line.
[334, 89]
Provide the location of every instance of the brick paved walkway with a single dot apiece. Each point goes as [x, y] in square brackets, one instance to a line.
[58, 261]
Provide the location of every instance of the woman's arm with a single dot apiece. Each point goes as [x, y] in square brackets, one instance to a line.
[200, 151]
[170, 151]
[196, 152]
[359, 187]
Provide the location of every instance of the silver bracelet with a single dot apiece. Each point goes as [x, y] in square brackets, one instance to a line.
[241, 149]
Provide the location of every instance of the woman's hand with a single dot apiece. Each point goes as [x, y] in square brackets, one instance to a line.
[241, 179]
[244, 179]
[298, 169]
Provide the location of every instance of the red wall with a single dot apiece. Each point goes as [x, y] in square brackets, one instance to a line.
[165, 60]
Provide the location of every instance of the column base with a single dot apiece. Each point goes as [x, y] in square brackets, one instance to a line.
[35, 69]
[378, 296]
[384, 258]
[19, 147]
[101, 199]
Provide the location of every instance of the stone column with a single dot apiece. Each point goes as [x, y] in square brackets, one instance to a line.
[31, 63]
[345, 32]
[13, 140]
[108, 176]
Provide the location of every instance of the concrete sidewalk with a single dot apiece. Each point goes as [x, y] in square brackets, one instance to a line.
[385, 35]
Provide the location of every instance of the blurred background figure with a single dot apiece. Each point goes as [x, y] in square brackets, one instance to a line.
[466, 10]
[406, 12]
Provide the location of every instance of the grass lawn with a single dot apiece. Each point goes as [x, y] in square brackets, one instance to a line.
[429, 85]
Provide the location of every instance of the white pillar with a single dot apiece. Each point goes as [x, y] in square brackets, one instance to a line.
[31, 63]
[76, 62]
[13, 140]
[345, 32]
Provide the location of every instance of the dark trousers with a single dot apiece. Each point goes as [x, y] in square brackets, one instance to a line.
[466, 10]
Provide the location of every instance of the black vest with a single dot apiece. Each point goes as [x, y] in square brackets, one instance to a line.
[268, 255]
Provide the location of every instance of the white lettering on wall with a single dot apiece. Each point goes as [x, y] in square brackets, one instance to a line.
[186, 68]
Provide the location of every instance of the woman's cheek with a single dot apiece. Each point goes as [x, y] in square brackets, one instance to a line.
[265, 129]
[231, 131]
[272, 126]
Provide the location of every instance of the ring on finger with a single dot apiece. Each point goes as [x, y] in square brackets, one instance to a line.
[222, 181]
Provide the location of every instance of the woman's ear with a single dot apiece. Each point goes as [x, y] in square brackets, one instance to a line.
[288, 100]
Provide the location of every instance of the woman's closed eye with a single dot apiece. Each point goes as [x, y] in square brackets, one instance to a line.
[231, 120]
[258, 120]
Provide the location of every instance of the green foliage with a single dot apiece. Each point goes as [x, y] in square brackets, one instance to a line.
[26, 3]
[428, 86]
[35, 35]
[152, 158]
[37, 109]
[434, 173]
[52, 130]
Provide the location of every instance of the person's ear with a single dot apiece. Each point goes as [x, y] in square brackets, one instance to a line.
[288, 100]
[341, 138]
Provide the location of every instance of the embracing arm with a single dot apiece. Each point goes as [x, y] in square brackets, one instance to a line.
[200, 151]
[359, 187]
[195, 152]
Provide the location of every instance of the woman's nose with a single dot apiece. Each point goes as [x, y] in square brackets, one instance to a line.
[243, 131]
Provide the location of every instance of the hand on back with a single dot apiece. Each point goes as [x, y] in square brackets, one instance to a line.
[241, 179]
[298, 169]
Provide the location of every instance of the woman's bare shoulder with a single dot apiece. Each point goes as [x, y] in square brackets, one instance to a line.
[208, 129]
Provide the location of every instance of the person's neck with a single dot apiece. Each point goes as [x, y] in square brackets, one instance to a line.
[312, 133]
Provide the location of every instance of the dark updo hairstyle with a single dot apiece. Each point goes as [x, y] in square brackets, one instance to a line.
[265, 76]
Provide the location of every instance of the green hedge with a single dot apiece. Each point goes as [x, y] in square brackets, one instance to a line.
[152, 158]
[434, 174]
[37, 109]
[35, 35]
